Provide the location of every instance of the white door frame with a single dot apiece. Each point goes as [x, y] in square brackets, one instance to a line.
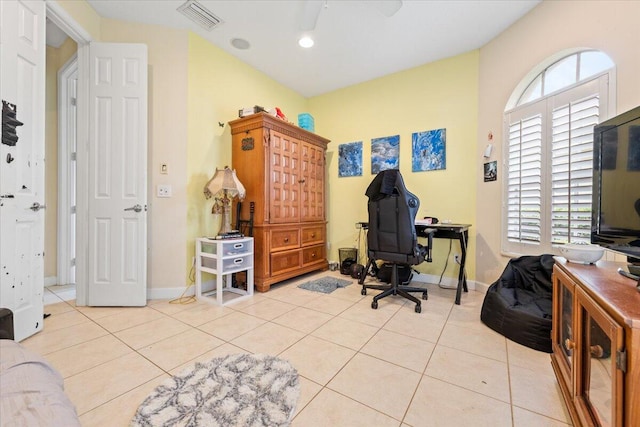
[69, 25]
[67, 130]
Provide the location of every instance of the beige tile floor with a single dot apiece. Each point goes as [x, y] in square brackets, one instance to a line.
[357, 366]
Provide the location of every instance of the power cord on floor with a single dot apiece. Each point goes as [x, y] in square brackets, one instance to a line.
[446, 264]
[182, 299]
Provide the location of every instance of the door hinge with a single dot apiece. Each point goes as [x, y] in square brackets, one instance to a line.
[74, 156]
[73, 209]
[73, 262]
[73, 102]
[621, 360]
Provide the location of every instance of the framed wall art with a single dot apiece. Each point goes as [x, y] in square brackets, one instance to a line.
[491, 171]
[429, 150]
[350, 159]
[385, 153]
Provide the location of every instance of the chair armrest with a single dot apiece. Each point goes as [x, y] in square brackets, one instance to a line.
[428, 233]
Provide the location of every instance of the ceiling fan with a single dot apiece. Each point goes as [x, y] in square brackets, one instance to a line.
[311, 10]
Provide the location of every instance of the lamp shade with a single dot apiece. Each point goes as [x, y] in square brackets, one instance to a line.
[225, 181]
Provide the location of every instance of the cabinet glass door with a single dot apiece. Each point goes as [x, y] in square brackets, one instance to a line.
[599, 385]
[563, 341]
[566, 322]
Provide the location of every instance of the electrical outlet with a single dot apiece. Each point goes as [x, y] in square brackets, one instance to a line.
[164, 191]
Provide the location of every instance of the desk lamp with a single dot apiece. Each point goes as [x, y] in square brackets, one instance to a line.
[224, 186]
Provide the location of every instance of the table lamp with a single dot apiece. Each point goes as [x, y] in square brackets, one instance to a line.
[224, 186]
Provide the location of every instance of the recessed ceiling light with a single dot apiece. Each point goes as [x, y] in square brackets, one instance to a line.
[306, 42]
[241, 44]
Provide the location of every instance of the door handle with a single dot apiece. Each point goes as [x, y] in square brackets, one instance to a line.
[135, 208]
[37, 206]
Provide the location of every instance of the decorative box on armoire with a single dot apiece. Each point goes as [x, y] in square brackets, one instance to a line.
[282, 168]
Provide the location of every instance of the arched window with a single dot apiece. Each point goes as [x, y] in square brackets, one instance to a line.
[548, 156]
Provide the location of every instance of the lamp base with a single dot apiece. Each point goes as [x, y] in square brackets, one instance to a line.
[226, 220]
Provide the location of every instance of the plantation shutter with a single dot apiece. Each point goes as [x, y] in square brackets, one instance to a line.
[572, 170]
[549, 168]
[524, 188]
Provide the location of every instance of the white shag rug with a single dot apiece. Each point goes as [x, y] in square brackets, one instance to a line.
[236, 390]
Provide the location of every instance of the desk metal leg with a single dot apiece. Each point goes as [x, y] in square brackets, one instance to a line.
[462, 276]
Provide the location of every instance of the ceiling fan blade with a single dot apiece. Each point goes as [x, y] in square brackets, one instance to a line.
[309, 14]
[387, 7]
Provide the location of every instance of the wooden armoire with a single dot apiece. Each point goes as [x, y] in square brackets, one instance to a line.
[282, 167]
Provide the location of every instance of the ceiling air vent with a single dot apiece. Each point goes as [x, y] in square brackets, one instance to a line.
[199, 14]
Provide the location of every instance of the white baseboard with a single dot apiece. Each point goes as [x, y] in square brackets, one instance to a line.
[50, 281]
[447, 282]
[170, 293]
[482, 287]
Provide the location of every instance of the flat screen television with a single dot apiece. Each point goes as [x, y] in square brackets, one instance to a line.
[615, 222]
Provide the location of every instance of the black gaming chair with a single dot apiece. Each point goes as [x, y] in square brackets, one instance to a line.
[392, 236]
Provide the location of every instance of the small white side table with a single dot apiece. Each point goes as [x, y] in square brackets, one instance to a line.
[223, 258]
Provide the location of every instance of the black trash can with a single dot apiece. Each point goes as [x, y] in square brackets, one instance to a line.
[348, 257]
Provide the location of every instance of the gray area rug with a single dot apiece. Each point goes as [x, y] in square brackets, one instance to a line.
[325, 285]
[237, 390]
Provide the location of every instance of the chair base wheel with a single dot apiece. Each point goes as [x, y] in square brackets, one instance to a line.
[425, 296]
[374, 305]
[363, 291]
[418, 309]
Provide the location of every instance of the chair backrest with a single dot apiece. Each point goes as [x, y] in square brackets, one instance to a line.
[392, 212]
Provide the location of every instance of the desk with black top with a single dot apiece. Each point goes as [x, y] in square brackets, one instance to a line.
[458, 232]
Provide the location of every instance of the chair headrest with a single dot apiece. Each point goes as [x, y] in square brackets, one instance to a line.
[384, 184]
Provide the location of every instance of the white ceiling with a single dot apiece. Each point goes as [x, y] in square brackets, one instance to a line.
[354, 40]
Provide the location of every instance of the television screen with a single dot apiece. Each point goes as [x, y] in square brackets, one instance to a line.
[616, 184]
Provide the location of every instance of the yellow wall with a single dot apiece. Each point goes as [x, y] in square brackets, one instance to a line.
[220, 85]
[55, 58]
[550, 28]
[443, 94]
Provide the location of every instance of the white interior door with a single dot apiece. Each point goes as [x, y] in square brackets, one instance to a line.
[22, 79]
[67, 143]
[116, 178]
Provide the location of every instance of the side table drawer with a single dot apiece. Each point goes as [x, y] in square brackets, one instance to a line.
[312, 235]
[235, 248]
[285, 261]
[227, 247]
[241, 261]
[284, 239]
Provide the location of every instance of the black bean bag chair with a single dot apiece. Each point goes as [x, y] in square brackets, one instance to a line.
[518, 304]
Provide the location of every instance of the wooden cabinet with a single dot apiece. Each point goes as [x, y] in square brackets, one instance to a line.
[596, 343]
[283, 169]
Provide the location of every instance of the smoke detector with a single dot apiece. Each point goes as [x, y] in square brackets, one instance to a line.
[200, 15]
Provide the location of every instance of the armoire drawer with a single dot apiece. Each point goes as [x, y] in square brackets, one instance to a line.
[312, 235]
[281, 262]
[313, 254]
[285, 239]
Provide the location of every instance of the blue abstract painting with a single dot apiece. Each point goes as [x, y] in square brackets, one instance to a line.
[429, 150]
[350, 159]
[385, 153]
